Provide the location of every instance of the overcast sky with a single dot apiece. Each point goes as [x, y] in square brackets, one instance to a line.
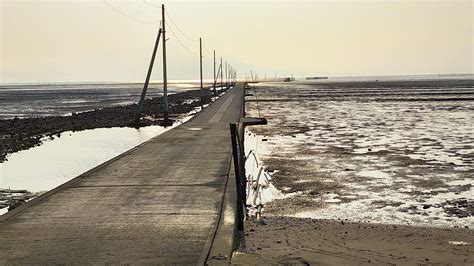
[111, 41]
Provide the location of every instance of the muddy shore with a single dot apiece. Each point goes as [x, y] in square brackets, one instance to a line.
[326, 145]
[24, 133]
[296, 241]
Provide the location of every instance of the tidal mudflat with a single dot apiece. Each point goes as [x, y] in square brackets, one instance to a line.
[363, 172]
[395, 153]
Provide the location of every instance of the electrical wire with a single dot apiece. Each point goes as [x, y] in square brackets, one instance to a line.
[173, 25]
[178, 28]
[180, 42]
[150, 3]
[206, 51]
[117, 10]
[172, 21]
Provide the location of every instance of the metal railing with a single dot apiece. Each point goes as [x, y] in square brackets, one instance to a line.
[239, 158]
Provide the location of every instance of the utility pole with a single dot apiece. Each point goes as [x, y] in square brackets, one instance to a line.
[147, 80]
[222, 74]
[165, 77]
[200, 71]
[214, 77]
[226, 86]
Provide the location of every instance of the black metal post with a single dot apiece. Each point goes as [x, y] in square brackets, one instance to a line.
[243, 180]
[238, 178]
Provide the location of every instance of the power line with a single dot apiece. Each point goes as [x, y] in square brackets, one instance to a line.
[206, 51]
[177, 27]
[178, 30]
[180, 42]
[149, 3]
[129, 16]
[173, 22]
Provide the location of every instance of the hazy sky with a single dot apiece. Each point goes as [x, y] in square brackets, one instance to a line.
[95, 41]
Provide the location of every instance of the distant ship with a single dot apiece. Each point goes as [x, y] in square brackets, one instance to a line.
[310, 78]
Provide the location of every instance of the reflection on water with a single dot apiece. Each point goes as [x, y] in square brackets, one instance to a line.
[57, 161]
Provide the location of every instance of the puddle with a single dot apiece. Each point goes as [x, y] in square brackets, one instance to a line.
[57, 161]
[374, 174]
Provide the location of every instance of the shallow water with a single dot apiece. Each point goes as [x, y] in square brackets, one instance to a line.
[64, 99]
[59, 160]
[391, 155]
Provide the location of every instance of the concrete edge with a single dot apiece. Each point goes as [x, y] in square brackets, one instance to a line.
[70, 183]
[225, 238]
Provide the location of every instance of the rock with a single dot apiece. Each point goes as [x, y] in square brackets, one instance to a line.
[16, 204]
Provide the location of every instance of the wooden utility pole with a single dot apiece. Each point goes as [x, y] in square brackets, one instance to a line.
[147, 80]
[200, 71]
[226, 86]
[165, 77]
[214, 77]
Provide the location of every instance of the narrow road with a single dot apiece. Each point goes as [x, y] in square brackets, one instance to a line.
[158, 203]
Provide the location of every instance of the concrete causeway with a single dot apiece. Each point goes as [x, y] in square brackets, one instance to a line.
[158, 203]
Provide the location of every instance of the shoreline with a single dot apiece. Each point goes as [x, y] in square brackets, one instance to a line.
[23, 133]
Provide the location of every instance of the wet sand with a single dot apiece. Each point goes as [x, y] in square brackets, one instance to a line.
[21, 134]
[298, 241]
[328, 147]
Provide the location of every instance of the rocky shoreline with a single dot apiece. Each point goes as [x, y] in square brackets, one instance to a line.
[23, 133]
[11, 199]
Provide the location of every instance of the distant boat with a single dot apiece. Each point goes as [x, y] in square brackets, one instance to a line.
[288, 79]
[310, 78]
